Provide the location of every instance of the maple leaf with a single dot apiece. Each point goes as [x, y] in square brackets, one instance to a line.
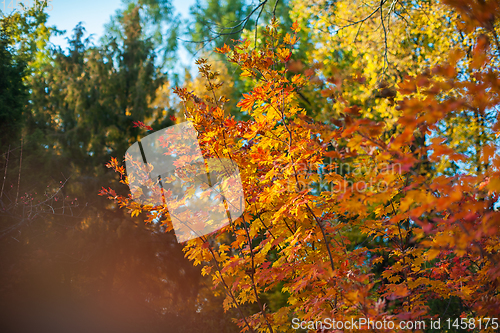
[225, 49]
[246, 103]
[378, 181]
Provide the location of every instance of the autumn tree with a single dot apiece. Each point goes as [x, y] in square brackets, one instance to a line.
[215, 23]
[429, 232]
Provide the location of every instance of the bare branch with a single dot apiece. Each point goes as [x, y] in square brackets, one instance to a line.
[5, 174]
[20, 165]
[230, 30]
[274, 9]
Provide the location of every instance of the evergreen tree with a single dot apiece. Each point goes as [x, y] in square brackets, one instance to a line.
[13, 93]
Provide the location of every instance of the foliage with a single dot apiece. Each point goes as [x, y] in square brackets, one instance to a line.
[159, 26]
[395, 233]
[13, 93]
[71, 261]
[367, 139]
[84, 102]
[222, 18]
[215, 23]
[23, 41]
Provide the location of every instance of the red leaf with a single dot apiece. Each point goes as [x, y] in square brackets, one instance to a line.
[142, 125]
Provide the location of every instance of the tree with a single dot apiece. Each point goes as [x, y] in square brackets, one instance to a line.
[73, 262]
[428, 233]
[13, 93]
[217, 23]
[159, 26]
[84, 102]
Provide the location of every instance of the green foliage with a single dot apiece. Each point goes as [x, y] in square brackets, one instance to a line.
[217, 22]
[81, 256]
[159, 25]
[85, 100]
[13, 93]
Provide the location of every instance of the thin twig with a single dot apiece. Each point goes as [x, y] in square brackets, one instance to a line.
[5, 174]
[20, 165]
[257, 26]
[275, 6]
[252, 274]
[386, 62]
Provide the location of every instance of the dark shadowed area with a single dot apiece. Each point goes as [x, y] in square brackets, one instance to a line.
[71, 260]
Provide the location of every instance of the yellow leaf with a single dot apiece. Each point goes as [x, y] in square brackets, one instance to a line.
[378, 260]
[394, 279]
[432, 253]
